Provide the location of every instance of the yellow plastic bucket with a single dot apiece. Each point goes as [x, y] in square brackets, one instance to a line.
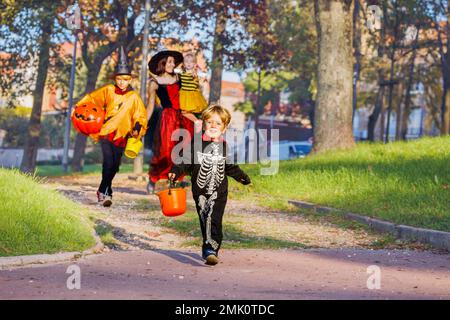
[133, 147]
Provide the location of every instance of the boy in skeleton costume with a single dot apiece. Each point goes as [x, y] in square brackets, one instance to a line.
[209, 169]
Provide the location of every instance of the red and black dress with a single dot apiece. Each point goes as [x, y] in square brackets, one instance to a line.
[169, 121]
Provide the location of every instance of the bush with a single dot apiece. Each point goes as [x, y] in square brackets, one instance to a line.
[15, 122]
[94, 156]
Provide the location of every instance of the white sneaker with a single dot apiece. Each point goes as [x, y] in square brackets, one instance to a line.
[100, 197]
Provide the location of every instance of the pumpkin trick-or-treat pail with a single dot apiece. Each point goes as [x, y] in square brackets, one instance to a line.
[88, 118]
[172, 201]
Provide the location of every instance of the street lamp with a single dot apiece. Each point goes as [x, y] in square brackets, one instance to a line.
[73, 23]
[138, 164]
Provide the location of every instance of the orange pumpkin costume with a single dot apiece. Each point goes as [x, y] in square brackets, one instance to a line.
[122, 112]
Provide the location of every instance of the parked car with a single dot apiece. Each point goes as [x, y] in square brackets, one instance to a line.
[291, 149]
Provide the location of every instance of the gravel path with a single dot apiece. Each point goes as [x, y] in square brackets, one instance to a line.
[149, 261]
[137, 214]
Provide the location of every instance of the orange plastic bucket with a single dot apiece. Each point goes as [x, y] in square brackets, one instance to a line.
[172, 201]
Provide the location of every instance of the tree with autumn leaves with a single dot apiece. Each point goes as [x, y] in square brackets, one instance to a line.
[30, 23]
[311, 48]
[106, 26]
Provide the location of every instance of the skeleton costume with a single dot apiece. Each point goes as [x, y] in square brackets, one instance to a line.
[209, 169]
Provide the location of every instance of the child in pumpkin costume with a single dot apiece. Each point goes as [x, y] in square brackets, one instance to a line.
[125, 116]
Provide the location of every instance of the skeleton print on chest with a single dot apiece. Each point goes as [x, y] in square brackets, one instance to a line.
[212, 169]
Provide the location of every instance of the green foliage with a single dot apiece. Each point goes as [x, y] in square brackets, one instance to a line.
[52, 131]
[284, 48]
[245, 107]
[21, 32]
[15, 122]
[271, 85]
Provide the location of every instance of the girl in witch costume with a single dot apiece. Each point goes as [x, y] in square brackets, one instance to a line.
[209, 168]
[125, 116]
[165, 88]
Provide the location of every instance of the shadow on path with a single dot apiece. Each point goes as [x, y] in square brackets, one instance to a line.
[143, 243]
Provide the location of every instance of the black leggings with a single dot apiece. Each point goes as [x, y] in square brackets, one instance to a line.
[210, 212]
[111, 162]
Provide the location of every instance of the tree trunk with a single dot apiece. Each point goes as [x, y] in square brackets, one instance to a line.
[373, 118]
[399, 112]
[81, 139]
[382, 122]
[447, 112]
[445, 107]
[34, 127]
[407, 108]
[258, 101]
[357, 54]
[217, 58]
[333, 117]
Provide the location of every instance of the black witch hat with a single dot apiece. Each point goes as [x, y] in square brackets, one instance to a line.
[122, 67]
[153, 64]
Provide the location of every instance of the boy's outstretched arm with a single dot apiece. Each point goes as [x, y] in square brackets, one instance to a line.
[234, 171]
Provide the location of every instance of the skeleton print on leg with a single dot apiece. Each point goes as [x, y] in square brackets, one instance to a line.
[207, 207]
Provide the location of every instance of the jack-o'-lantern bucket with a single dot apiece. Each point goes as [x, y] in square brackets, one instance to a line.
[88, 118]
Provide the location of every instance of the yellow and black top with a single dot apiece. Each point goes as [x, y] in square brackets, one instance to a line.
[191, 98]
[189, 82]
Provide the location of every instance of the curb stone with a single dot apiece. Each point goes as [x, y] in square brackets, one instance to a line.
[435, 238]
[37, 259]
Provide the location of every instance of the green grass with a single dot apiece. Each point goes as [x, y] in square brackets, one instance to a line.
[403, 182]
[54, 171]
[36, 220]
